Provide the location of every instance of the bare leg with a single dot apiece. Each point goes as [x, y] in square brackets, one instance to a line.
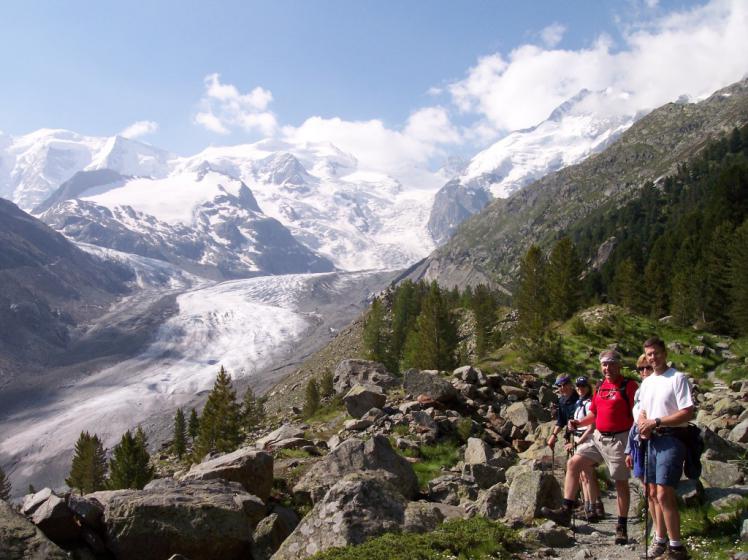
[658, 519]
[576, 465]
[670, 513]
[622, 493]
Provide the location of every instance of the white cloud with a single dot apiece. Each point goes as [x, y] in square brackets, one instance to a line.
[552, 35]
[139, 128]
[692, 52]
[223, 107]
[403, 154]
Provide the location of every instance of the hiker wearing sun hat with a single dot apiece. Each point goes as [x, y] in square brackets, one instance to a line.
[610, 411]
[567, 403]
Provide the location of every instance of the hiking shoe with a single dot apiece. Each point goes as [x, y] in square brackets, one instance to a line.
[561, 515]
[622, 535]
[592, 517]
[655, 550]
[599, 509]
[675, 553]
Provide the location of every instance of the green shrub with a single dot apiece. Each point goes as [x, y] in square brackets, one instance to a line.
[475, 539]
[434, 458]
[578, 327]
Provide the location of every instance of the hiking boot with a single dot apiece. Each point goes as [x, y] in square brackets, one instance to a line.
[675, 554]
[592, 517]
[622, 535]
[599, 509]
[561, 515]
[655, 550]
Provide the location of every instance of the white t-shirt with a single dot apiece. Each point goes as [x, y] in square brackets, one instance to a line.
[664, 394]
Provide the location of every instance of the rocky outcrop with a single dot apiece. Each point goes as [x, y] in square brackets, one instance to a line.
[360, 399]
[417, 382]
[362, 372]
[21, 540]
[354, 456]
[201, 519]
[531, 490]
[355, 509]
[251, 468]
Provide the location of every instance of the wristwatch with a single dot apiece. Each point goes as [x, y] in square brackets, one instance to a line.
[658, 421]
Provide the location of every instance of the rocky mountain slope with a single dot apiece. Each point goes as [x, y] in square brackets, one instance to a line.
[488, 246]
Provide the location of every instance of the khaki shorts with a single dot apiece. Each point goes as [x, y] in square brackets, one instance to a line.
[610, 450]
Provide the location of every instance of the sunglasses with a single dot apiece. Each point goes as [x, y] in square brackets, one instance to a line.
[644, 368]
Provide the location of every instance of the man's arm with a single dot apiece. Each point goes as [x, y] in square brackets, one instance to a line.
[646, 425]
[586, 421]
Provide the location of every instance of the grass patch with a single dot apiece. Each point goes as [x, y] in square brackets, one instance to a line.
[713, 534]
[401, 430]
[292, 454]
[328, 411]
[475, 539]
[434, 458]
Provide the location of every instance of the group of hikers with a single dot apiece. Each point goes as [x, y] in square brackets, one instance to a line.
[627, 427]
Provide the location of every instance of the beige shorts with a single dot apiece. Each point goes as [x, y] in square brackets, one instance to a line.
[610, 450]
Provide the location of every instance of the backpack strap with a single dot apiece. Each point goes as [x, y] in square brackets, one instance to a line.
[624, 394]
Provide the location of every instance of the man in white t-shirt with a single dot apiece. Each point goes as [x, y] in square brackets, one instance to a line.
[666, 407]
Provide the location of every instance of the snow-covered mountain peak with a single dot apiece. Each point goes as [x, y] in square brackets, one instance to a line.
[131, 157]
[283, 169]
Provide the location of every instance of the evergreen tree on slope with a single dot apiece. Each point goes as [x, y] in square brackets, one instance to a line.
[88, 468]
[564, 269]
[221, 418]
[180, 434]
[5, 487]
[129, 466]
[433, 342]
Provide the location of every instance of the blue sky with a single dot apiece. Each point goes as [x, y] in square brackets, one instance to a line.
[190, 74]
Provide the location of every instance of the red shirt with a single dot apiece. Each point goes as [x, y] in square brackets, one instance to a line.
[612, 412]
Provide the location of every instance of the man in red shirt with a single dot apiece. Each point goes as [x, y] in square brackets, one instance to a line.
[611, 413]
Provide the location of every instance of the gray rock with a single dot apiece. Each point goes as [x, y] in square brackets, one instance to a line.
[33, 501]
[550, 534]
[422, 517]
[728, 502]
[727, 407]
[355, 509]
[511, 390]
[719, 474]
[357, 425]
[484, 476]
[251, 468]
[286, 431]
[531, 490]
[739, 434]
[270, 534]
[362, 372]
[424, 422]
[291, 443]
[690, 492]
[744, 532]
[360, 399]
[477, 452]
[720, 449]
[492, 503]
[56, 521]
[202, 519]
[468, 374]
[353, 456]
[521, 414]
[21, 540]
[451, 489]
[429, 383]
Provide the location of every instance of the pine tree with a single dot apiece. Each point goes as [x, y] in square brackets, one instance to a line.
[88, 468]
[432, 344]
[312, 398]
[739, 279]
[193, 425]
[531, 298]
[253, 410]
[219, 425]
[626, 286]
[5, 487]
[180, 436]
[326, 384]
[483, 305]
[564, 269]
[405, 310]
[717, 279]
[129, 466]
[376, 340]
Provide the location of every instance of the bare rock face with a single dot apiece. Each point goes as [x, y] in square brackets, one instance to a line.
[21, 540]
[56, 521]
[286, 431]
[201, 519]
[355, 509]
[354, 456]
[251, 468]
[531, 490]
[362, 372]
[360, 399]
[429, 383]
[272, 531]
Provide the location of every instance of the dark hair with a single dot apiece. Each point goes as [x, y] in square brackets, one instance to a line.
[656, 342]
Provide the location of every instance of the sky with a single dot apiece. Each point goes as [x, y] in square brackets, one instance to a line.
[398, 83]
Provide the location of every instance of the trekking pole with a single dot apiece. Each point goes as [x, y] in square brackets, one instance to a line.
[570, 437]
[646, 501]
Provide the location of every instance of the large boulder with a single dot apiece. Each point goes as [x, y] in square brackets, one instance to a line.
[355, 509]
[272, 531]
[360, 399]
[201, 519]
[249, 467]
[477, 452]
[56, 521]
[362, 372]
[422, 517]
[286, 431]
[21, 540]
[720, 475]
[33, 501]
[526, 412]
[531, 490]
[739, 433]
[429, 383]
[353, 456]
[492, 503]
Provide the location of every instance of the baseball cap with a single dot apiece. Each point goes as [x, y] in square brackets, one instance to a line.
[562, 380]
[610, 356]
[582, 381]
